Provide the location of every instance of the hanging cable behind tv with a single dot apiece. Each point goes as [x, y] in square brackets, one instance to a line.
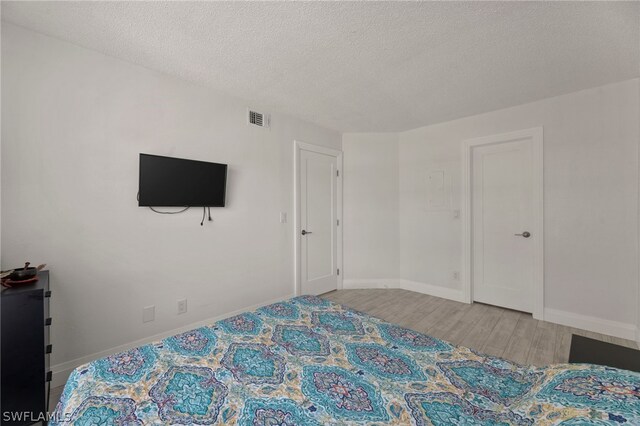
[205, 210]
[178, 212]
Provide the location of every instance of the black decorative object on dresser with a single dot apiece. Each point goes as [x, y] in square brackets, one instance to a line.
[24, 369]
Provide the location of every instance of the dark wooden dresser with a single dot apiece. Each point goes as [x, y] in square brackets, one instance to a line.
[24, 351]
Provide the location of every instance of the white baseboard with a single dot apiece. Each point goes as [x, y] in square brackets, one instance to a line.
[62, 371]
[570, 319]
[585, 322]
[370, 283]
[419, 287]
[433, 290]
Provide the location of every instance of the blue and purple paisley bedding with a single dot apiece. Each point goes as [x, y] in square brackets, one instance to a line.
[309, 361]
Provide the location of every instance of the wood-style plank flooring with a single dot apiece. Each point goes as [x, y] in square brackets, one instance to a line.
[492, 330]
[512, 335]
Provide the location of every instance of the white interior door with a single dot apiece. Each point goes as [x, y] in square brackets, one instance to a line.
[318, 222]
[504, 224]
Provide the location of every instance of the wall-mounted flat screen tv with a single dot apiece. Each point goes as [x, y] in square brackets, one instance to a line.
[176, 182]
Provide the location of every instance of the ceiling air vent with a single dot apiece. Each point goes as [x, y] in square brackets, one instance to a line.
[258, 119]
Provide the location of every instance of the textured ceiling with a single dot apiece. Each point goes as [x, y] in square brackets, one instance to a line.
[361, 66]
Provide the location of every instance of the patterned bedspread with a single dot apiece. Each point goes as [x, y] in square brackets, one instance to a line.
[309, 361]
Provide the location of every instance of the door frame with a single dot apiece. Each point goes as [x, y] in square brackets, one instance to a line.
[536, 136]
[299, 146]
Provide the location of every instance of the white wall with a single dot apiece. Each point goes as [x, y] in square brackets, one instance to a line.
[591, 200]
[370, 205]
[74, 122]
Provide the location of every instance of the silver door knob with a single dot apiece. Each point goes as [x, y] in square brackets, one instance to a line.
[305, 232]
[525, 234]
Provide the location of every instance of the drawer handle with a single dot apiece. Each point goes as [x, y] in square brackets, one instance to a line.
[49, 349]
[47, 293]
[49, 375]
[47, 321]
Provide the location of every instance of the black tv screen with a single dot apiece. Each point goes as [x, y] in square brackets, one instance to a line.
[175, 182]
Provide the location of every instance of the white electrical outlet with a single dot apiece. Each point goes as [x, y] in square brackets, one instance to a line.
[283, 217]
[182, 306]
[456, 275]
[148, 313]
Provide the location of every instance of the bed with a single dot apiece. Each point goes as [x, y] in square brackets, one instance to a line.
[309, 361]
